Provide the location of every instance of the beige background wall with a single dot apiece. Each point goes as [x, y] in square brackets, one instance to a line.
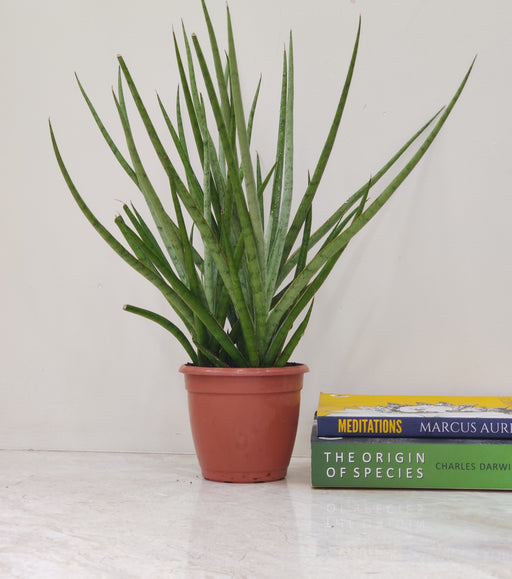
[421, 301]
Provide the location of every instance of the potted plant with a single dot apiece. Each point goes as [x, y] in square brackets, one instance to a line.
[239, 268]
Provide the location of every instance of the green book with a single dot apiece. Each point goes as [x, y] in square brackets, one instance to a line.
[419, 463]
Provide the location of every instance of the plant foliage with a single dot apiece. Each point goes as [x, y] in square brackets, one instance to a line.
[239, 268]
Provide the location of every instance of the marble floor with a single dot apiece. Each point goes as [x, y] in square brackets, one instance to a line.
[111, 515]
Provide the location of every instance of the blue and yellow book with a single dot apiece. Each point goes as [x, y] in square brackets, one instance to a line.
[364, 415]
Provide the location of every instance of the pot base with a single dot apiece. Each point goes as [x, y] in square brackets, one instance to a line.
[244, 477]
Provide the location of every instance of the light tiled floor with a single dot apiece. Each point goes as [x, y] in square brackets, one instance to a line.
[80, 515]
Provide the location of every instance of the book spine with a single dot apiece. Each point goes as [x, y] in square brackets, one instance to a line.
[415, 426]
[416, 463]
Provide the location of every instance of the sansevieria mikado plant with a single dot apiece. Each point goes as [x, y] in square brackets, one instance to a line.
[239, 268]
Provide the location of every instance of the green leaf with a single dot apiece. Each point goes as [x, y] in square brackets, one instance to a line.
[295, 339]
[275, 204]
[168, 325]
[312, 188]
[135, 243]
[219, 71]
[193, 279]
[254, 334]
[277, 248]
[185, 295]
[113, 147]
[209, 265]
[338, 215]
[215, 360]
[192, 180]
[163, 222]
[252, 112]
[286, 322]
[189, 102]
[297, 287]
[243, 141]
[304, 246]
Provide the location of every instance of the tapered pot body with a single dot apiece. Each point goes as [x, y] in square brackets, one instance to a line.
[244, 420]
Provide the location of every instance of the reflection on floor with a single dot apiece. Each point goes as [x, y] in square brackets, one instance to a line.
[80, 515]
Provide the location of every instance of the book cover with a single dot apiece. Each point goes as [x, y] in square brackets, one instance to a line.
[415, 416]
[419, 463]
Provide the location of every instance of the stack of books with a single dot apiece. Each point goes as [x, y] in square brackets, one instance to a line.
[423, 442]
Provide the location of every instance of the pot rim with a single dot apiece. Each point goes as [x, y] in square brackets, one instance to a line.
[290, 369]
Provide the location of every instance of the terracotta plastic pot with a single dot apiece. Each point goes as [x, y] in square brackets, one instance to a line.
[244, 420]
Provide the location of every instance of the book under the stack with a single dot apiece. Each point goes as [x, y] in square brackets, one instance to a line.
[375, 455]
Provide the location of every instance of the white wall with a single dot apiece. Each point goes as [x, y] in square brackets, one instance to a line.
[419, 304]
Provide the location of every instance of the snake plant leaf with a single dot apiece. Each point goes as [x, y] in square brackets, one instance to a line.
[304, 246]
[157, 255]
[105, 233]
[168, 325]
[192, 79]
[209, 265]
[327, 226]
[192, 180]
[211, 170]
[224, 304]
[264, 183]
[219, 70]
[145, 255]
[192, 276]
[213, 358]
[135, 243]
[189, 101]
[153, 251]
[251, 244]
[175, 298]
[179, 121]
[276, 252]
[411, 164]
[288, 319]
[143, 230]
[245, 152]
[288, 350]
[220, 254]
[312, 188]
[252, 112]
[106, 135]
[262, 186]
[360, 208]
[298, 285]
[224, 262]
[152, 260]
[150, 129]
[187, 297]
[200, 109]
[275, 202]
[164, 223]
[259, 183]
